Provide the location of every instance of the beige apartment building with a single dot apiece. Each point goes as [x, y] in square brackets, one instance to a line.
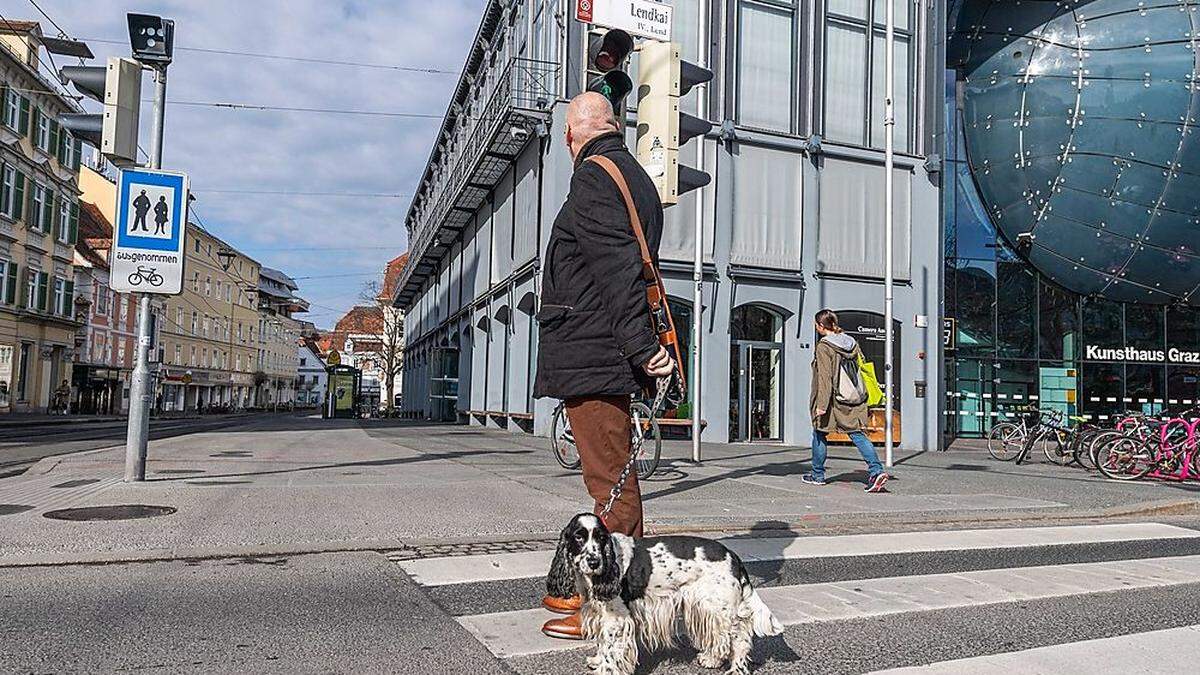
[208, 337]
[278, 336]
[39, 216]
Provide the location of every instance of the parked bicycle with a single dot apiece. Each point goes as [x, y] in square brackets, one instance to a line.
[147, 274]
[565, 451]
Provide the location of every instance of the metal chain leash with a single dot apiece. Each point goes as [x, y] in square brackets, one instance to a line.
[663, 385]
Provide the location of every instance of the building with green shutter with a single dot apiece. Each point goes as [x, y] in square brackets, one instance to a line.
[39, 215]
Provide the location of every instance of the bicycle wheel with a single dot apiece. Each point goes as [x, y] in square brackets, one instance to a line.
[135, 279]
[1125, 459]
[563, 441]
[651, 451]
[1057, 450]
[1005, 440]
[1103, 438]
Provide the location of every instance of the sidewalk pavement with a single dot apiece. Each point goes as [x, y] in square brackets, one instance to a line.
[276, 485]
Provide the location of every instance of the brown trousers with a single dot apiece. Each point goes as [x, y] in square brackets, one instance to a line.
[604, 433]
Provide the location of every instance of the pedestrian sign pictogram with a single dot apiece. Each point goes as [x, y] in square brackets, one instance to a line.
[148, 237]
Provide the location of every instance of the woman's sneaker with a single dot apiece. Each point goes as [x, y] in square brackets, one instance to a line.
[811, 479]
[875, 483]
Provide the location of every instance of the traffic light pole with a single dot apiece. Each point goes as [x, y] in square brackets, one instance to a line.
[889, 134]
[141, 390]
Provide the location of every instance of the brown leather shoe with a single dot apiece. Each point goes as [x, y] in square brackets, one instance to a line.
[562, 605]
[566, 628]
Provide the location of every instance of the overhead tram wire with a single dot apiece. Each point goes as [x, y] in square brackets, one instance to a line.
[302, 193]
[299, 59]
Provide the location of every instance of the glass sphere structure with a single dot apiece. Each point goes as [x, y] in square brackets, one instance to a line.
[1080, 122]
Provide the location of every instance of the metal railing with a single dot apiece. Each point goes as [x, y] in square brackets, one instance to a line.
[525, 87]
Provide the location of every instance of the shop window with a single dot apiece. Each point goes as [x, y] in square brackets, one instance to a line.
[1145, 388]
[975, 282]
[756, 323]
[1102, 323]
[1144, 327]
[1058, 323]
[1102, 390]
[1017, 307]
[1183, 328]
[1183, 386]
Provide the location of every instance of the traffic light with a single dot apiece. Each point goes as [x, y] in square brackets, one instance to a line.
[663, 78]
[607, 53]
[118, 86]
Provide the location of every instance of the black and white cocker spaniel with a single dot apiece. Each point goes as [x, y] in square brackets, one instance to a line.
[633, 590]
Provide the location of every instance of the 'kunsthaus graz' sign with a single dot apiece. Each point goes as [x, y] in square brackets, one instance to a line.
[1172, 355]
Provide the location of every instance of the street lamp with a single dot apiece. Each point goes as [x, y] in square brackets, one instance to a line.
[226, 257]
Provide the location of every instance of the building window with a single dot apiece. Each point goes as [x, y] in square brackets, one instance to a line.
[766, 64]
[178, 355]
[179, 318]
[23, 370]
[192, 358]
[124, 305]
[64, 222]
[8, 282]
[42, 199]
[854, 37]
[10, 197]
[60, 297]
[12, 109]
[69, 158]
[208, 286]
[196, 248]
[42, 137]
[121, 353]
[195, 318]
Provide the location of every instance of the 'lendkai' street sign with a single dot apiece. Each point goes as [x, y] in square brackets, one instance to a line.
[147, 252]
[644, 18]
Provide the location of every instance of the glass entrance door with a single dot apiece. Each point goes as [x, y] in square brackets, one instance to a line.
[756, 388]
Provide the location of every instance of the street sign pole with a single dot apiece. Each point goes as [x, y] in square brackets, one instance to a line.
[889, 132]
[141, 390]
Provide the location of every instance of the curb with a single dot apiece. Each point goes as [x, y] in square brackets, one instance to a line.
[808, 526]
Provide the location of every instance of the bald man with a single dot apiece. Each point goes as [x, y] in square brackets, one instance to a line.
[597, 346]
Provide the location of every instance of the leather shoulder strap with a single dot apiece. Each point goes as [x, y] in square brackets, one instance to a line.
[610, 167]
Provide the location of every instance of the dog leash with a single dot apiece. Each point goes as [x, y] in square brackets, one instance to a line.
[663, 385]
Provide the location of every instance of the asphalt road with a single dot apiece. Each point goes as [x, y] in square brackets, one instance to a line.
[23, 445]
[360, 613]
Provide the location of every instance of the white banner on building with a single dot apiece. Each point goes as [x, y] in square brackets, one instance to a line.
[641, 18]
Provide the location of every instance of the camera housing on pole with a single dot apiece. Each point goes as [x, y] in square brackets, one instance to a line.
[152, 39]
[117, 85]
[663, 78]
[608, 50]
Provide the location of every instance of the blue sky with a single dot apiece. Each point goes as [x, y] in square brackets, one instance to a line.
[291, 151]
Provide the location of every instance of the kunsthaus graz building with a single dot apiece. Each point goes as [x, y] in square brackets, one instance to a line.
[1046, 228]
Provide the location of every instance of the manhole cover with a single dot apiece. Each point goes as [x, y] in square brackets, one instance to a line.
[77, 483]
[10, 509]
[179, 472]
[118, 512]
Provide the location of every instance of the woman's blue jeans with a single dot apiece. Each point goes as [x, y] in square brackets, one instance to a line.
[820, 450]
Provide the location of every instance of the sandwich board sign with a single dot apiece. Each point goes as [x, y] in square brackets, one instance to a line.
[148, 237]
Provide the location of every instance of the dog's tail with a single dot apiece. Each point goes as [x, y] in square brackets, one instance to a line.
[764, 622]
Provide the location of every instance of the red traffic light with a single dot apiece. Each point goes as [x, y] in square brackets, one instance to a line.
[609, 51]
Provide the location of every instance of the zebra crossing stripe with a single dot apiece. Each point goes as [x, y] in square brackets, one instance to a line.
[531, 564]
[1122, 654]
[518, 633]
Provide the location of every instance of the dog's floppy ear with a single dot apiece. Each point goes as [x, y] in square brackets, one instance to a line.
[560, 582]
[607, 584]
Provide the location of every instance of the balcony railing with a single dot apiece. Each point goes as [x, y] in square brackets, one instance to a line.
[523, 94]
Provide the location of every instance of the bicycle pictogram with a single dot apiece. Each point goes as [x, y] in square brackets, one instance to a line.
[147, 274]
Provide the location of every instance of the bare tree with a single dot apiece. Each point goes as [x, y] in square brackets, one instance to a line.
[391, 339]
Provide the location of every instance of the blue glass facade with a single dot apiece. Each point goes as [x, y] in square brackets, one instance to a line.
[1069, 248]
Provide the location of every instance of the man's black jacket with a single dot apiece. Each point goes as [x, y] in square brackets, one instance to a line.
[594, 325]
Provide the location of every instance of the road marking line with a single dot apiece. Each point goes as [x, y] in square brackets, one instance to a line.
[530, 564]
[1155, 651]
[518, 633]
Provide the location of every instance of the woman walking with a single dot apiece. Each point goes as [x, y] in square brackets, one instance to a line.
[833, 408]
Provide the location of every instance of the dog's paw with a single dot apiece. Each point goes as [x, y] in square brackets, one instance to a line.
[594, 661]
[706, 660]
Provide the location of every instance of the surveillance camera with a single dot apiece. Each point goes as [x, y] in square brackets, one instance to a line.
[519, 134]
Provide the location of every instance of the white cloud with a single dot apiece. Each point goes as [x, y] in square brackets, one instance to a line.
[251, 150]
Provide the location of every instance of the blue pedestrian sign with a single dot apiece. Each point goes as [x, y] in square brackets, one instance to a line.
[148, 237]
